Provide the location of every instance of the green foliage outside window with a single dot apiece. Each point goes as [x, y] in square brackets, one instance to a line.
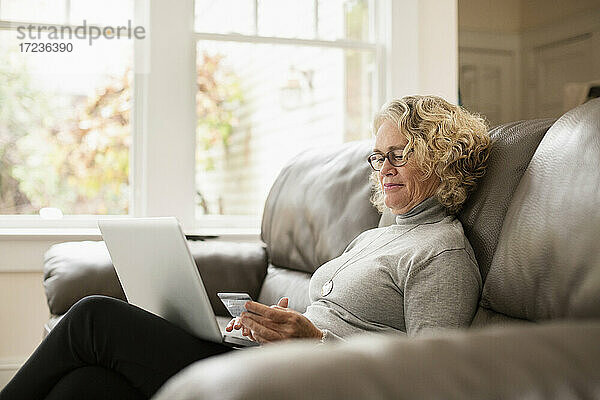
[22, 112]
[219, 96]
[76, 158]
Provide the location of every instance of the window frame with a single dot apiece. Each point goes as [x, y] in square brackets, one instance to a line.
[163, 121]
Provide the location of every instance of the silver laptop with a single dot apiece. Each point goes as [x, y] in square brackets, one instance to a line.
[159, 274]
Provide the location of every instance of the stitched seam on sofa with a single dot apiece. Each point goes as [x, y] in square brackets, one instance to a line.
[503, 314]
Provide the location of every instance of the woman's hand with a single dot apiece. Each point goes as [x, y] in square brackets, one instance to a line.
[270, 324]
[236, 323]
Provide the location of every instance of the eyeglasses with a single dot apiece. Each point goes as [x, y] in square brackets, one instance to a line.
[395, 157]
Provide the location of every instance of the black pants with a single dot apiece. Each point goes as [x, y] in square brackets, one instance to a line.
[105, 348]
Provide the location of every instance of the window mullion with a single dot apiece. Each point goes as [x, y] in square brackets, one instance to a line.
[256, 17]
[68, 12]
[316, 16]
[167, 124]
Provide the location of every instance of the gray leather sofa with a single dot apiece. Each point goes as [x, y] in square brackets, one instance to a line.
[534, 223]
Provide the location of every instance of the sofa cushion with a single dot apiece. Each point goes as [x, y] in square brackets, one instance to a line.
[547, 263]
[317, 205]
[281, 282]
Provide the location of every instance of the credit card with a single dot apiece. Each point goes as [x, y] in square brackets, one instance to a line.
[235, 302]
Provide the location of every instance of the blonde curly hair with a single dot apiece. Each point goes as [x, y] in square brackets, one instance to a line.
[443, 139]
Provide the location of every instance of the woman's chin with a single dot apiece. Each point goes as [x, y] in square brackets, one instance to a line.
[397, 207]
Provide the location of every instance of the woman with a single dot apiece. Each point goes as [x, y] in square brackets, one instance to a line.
[421, 271]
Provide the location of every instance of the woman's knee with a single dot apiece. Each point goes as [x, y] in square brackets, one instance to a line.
[93, 316]
[96, 303]
[92, 307]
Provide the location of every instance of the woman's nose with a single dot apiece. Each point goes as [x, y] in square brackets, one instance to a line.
[387, 168]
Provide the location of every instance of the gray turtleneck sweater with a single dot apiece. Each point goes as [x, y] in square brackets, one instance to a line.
[418, 274]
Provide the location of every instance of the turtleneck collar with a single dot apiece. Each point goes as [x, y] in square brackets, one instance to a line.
[428, 211]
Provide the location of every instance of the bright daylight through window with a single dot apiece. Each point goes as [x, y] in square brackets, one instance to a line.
[275, 78]
[65, 129]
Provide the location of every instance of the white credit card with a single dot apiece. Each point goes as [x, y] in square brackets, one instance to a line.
[235, 302]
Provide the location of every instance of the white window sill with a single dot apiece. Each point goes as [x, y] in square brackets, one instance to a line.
[84, 227]
[50, 234]
[232, 234]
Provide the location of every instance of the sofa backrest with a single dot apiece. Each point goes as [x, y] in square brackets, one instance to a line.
[317, 205]
[483, 214]
[547, 261]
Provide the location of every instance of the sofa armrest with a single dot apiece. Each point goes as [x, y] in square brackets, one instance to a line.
[547, 361]
[74, 270]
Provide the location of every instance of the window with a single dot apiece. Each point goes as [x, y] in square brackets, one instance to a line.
[260, 85]
[275, 78]
[65, 112]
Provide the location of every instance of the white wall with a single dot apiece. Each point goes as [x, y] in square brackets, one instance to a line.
[24, 289]
[540, 13]
[23, 311]
[511, 16]
[438, 43]
[520, 70]
[423, 58]
[23, 307]
[557, 55]
[490, 15]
